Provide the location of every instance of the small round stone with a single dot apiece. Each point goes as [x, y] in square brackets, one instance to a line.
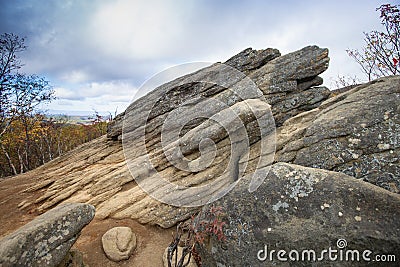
[119, 243]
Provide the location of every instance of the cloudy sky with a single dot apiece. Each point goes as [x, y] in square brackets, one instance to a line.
[96, 53]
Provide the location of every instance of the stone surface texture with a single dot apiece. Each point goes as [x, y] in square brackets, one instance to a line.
[356, 133]
[46, 240]
[119, 243]
[301, 208]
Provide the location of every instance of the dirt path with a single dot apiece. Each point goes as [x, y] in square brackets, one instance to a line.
[152, 240]
[11, 195]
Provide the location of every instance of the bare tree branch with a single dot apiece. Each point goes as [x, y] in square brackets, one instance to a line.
[381, 54]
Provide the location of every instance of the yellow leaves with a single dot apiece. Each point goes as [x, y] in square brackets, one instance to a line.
[39, 139]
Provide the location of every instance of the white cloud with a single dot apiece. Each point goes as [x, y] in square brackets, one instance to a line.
[63, 93]
[105, 96]
[137, 29]
[75, 76]
[111, 88]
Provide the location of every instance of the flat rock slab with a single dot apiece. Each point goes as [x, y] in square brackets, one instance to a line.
[119, 243]
[46, 240]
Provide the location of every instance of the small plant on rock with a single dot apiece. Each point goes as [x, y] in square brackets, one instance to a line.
[202, 226]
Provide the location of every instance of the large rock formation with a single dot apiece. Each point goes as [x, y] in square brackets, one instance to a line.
[287, 83]
[308, 133]
[302, 209]
[96, 173]
[46, 240]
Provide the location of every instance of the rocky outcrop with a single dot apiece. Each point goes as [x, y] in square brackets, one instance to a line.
[300, 208]
[46, 240]
[356, 133]
[96, 173]
[287, 83]
[119, 243]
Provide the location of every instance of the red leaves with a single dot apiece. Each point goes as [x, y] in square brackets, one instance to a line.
[206, 224]
[380, 55]
[210, 225]
[218, 230]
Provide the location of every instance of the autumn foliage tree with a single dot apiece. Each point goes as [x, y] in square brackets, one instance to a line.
[49, 138]
[20, 96]
[28, 138]
[381, 54]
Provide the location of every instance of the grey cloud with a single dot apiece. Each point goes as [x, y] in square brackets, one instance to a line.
[67, 37]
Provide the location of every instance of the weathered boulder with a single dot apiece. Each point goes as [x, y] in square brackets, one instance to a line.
[356, 133]
[300, 208]
[46, 240]
[119, 243]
